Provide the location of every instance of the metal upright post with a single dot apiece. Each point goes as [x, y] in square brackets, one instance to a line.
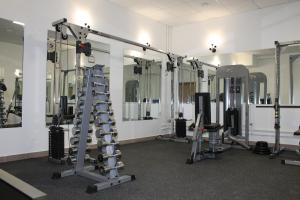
[84, 123]
[246, 100]
[276, 148]
[218, 100]
[172, 102]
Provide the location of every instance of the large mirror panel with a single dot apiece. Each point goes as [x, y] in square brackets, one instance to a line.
[11, 73]
[61, 74]
[141, 86]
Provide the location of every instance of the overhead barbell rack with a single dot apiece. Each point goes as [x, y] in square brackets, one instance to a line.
[93, 93]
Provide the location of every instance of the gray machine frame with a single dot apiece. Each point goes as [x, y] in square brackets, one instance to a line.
[234, 71]
[80, 34]
[197, 65]
[278, 47]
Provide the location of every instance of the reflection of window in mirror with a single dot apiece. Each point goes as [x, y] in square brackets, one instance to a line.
[61, 73]
[142, 87]
[295, 79]
[11, 74]
[187, 83]
[131, 91]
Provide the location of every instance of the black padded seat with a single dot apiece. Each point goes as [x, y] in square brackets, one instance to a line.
[212, 127]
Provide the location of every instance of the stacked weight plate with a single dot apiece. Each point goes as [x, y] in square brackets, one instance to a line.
[74, 140]
[109, 154]
[2, 110]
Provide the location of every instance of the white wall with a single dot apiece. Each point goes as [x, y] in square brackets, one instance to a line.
[249, 31]
[238, 33]
[101, 15]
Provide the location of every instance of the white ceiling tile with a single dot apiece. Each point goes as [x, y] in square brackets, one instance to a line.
[239, 6]
[177, 12]
[267, 3]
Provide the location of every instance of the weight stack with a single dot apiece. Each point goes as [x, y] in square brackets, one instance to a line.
[2, 110]
[180, 128]
[56, 143]
[232, 114]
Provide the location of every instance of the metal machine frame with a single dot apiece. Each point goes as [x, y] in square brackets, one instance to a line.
[228, 72]
[80, 34]
[278, 47]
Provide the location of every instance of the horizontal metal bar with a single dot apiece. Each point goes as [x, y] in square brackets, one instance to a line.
[281, 106]
[290, 43]
[133, 57]
[113, 182]
[203, 63]
[109, 36]
[127, 41]
[92, 175]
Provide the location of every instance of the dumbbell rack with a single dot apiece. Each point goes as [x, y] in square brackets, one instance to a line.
[2, 110]
[94, 98]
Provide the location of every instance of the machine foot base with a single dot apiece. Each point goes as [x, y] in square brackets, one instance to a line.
[133, 177]
[91, 189]
[189, 161]
[56, 175]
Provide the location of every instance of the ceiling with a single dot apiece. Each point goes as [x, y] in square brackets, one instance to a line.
[11, 32]
[178, 12]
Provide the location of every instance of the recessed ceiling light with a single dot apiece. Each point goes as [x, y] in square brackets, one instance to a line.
[19, 23]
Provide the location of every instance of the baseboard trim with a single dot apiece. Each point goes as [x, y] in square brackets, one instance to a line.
[40, 154]
[23, 156]
[94, 146]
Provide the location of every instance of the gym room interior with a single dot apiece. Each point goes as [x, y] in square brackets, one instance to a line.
[150, 99]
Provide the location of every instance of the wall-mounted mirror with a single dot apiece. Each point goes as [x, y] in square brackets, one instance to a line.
[290, 79]
[11, 73]
[61, 73]
[141, 86]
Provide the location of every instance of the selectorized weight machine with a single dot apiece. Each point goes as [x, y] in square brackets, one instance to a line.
[235, 99]
[235, 103]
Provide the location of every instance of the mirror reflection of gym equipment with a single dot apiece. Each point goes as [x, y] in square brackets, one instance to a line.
[11, 76]
[142, 88]
[61, 74]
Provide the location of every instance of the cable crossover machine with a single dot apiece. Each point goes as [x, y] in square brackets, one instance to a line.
[93, 105]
